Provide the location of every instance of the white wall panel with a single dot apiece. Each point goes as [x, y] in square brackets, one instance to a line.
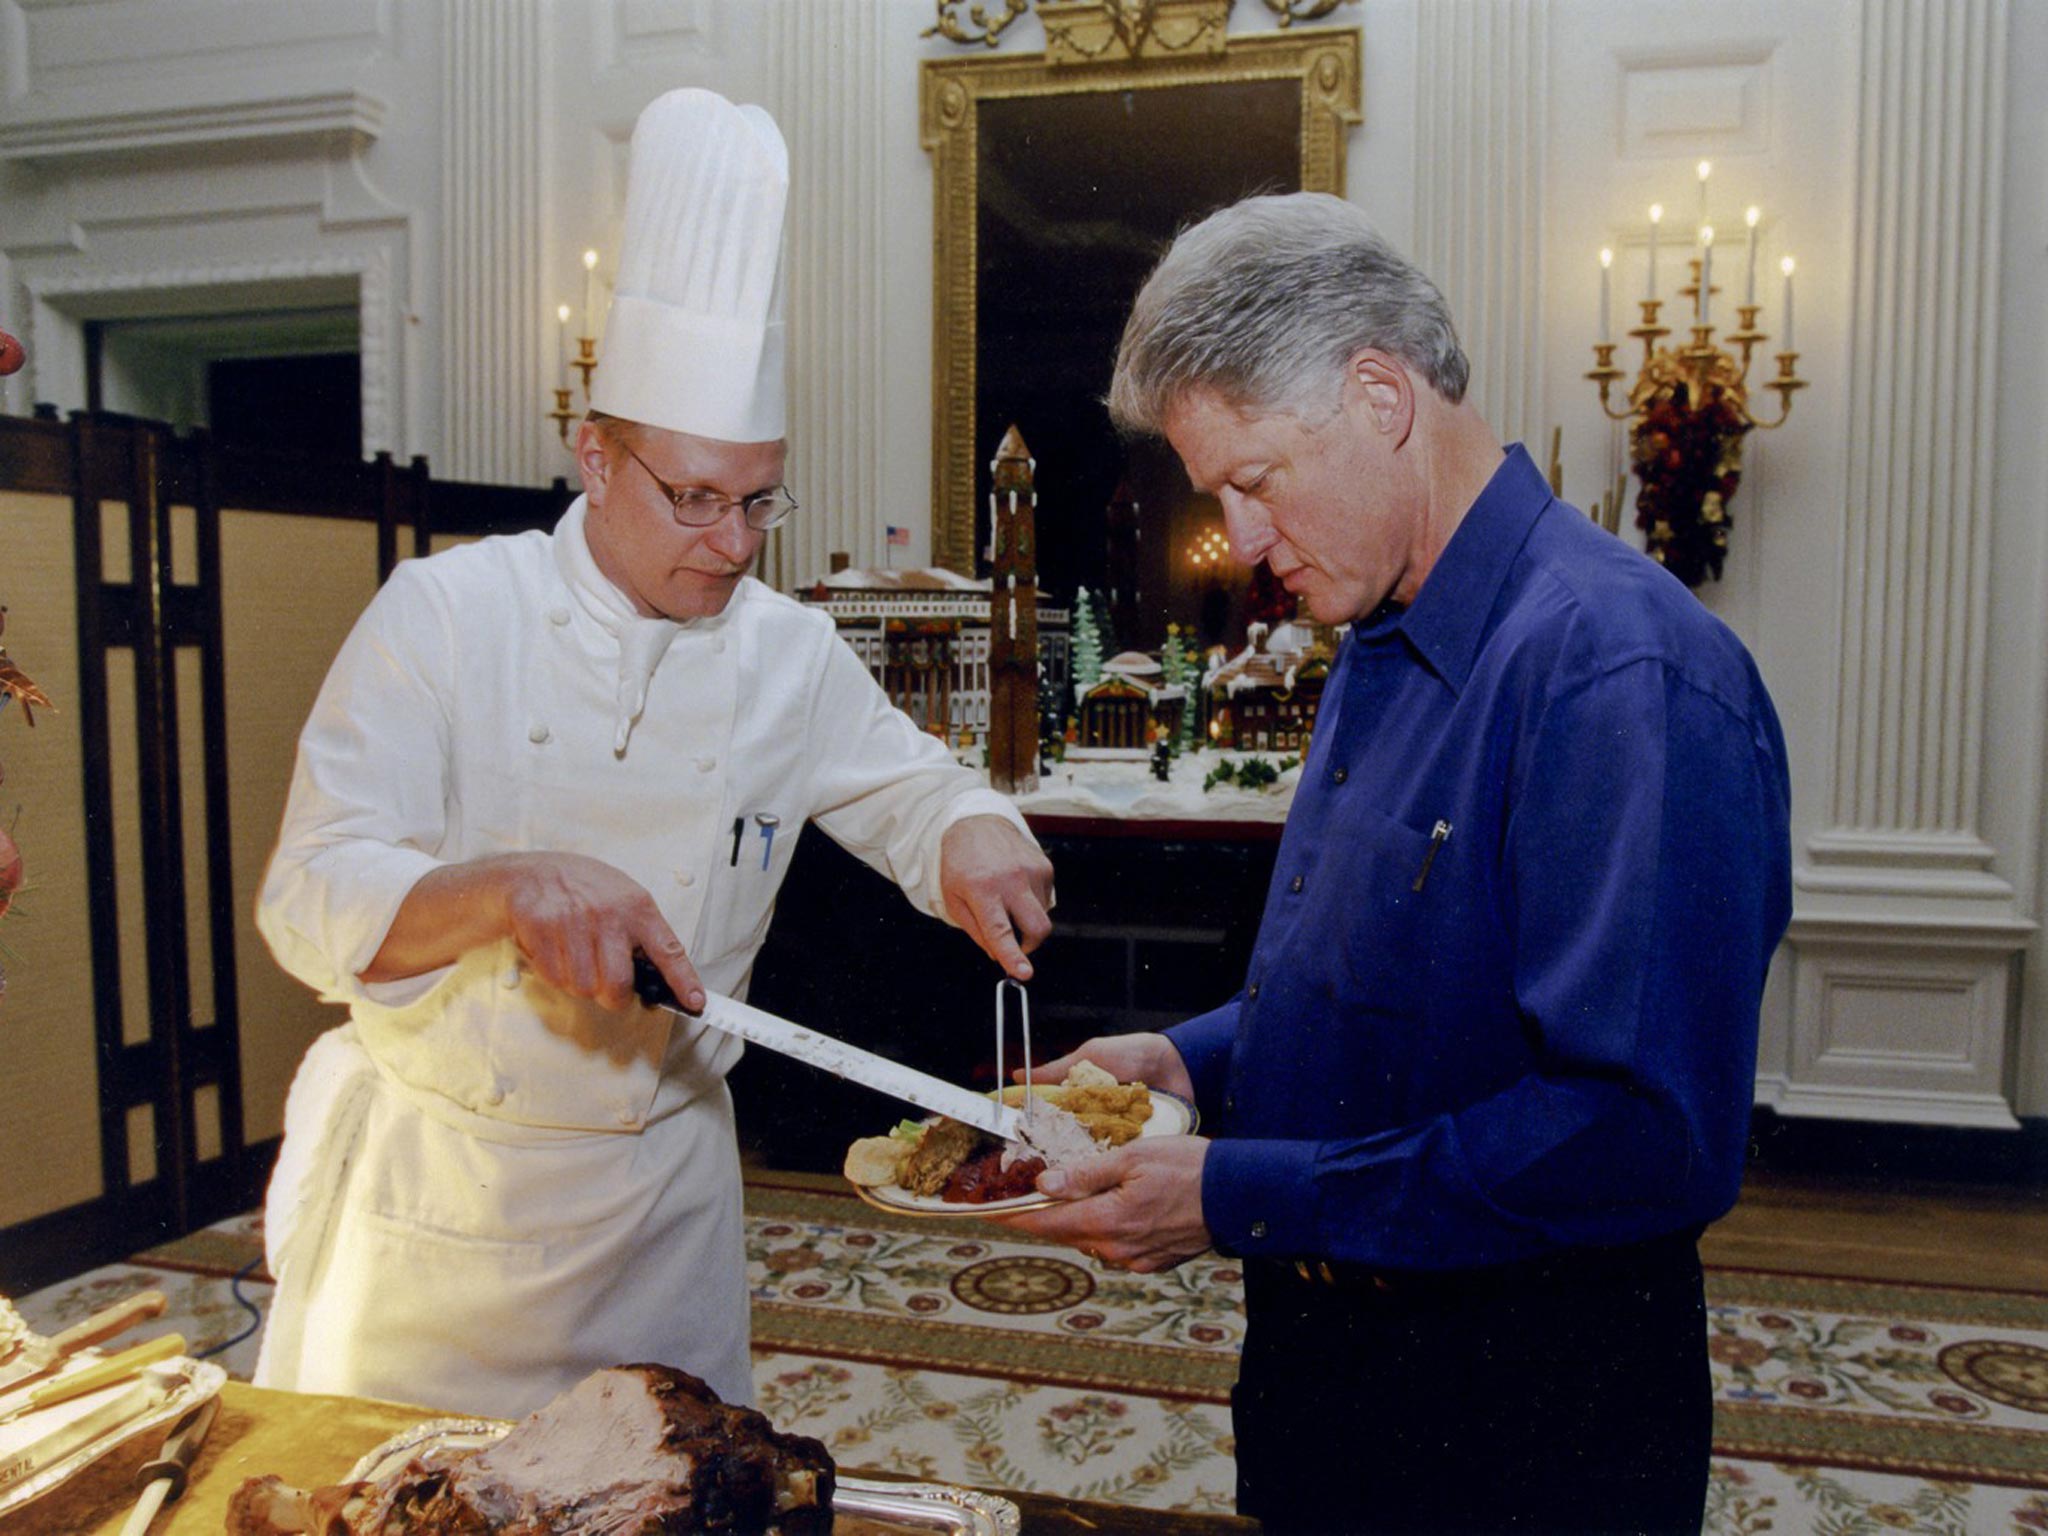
[827, 92]
[497, 329]
[1481, 136]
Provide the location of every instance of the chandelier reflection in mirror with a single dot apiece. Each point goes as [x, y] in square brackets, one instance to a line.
[1689, 406]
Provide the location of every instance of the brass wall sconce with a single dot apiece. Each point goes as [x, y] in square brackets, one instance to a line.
[585, 360]
[1689, 405]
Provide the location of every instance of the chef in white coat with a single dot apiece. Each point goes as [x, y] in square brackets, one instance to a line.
[533, 756]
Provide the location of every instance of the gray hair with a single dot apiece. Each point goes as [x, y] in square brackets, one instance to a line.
[1266, 302]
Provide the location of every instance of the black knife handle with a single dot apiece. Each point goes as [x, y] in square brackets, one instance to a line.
[650, 985]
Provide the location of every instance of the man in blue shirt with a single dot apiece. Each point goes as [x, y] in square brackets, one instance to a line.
[1491, 1069]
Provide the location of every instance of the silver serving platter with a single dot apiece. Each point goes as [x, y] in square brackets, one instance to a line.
[907, 1506]
[186, 1383]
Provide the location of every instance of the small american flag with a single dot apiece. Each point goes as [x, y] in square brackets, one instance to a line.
[898, 535]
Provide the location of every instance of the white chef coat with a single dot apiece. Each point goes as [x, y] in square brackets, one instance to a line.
[489, 1188]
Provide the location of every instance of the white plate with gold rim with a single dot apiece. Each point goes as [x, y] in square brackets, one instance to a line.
[1171, 1115]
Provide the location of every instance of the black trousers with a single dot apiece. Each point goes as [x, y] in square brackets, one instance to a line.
[1565, 1396]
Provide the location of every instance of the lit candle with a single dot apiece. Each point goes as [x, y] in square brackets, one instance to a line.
[590, 293]
[1785, 266]
[1749, 282]
[1706, 170]
[561, 346]
[1706, 273]
[1606, 324]
[1656, 218]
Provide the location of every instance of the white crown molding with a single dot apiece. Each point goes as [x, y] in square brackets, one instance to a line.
[1911, 1106]
[1916, 930]
[351, 117]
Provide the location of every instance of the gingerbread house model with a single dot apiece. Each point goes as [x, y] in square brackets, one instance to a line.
[1264, 698]
[924, 634]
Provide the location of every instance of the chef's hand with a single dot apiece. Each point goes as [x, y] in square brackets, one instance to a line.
[998, 887]
[576, 919]
[1137, 1208]
[1149, 1059]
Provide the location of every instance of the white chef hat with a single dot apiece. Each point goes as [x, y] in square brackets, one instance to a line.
[695, 339]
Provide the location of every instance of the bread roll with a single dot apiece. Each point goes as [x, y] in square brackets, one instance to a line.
[876, 1160]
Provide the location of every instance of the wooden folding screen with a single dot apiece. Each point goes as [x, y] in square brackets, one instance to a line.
[152, 708]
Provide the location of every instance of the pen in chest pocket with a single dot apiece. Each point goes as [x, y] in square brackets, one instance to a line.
[1438, 836]
[768, 821]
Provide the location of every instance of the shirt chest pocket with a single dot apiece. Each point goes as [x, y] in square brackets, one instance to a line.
[1377, 874]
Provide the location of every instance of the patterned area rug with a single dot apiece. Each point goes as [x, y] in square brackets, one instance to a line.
[951, 1350]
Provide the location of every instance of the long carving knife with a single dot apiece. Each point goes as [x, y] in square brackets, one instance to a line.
[762, 1028]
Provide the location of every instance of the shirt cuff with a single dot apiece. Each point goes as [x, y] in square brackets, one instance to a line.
[1204, 1043]
[328, 938]
[1259, 1199]
[983, 802]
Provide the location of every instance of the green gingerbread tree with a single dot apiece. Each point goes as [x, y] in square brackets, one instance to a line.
[1177, 671]
[1087, 645]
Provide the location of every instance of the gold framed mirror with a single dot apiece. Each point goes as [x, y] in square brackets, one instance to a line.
[1057, 185]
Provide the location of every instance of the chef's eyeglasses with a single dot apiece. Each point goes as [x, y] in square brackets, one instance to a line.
[696, 507]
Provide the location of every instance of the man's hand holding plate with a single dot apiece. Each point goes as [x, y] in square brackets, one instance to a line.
[1140, 1206]
[1137, 1208]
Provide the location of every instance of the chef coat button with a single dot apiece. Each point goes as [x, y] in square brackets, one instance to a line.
[1294, 885]
[1258, 1229]
[627, 1116]
[536, 733]
[1252, 992]
[495, 1094]
[706, 764]
[510, 979]
[558, 617]
[685, 878]
[1340, 776]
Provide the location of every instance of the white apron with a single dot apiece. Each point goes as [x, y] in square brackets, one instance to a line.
[453, 1292]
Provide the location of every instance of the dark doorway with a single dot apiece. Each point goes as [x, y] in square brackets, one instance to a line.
[311, 405]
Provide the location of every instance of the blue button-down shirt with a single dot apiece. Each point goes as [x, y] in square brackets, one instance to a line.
[1504, 997]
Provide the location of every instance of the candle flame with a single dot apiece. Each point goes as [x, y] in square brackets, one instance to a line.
[562, 313]
[1785, 266]
[590, 261]
[1706, 234]
[1706, 169]
[1606, 257]
[1656, 213]
[1753, 215]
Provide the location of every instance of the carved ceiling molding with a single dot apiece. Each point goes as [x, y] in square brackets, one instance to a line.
[1090, 31]
[354, 119]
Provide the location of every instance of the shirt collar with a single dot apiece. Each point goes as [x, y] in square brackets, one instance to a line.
[1447, 620]
[642, 641]
[599, 596]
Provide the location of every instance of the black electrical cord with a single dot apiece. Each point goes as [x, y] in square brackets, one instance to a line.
[255, 1313]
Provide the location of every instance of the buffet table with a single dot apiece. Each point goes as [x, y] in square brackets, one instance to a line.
[311, 1440]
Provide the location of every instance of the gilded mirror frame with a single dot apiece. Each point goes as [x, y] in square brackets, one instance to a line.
[1327, 64]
